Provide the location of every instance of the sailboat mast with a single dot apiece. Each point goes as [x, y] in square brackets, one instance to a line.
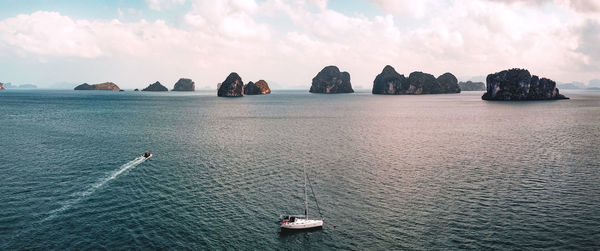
[305, 195]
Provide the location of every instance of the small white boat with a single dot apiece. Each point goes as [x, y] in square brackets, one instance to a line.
[301, 222]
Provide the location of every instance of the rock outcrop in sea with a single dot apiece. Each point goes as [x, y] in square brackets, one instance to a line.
[184, 85]
[448, 83]
[1, 86]
[422, 83]
[519, 84]
[108, 86]
[156, 87]
[331, 80]
[391, 82]
[233, 86]
[260, 87]
[471, 86]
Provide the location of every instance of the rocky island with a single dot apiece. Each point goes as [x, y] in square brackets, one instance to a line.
[108, 86]
[233, 86]
[156, 87]
[471, 86]
[260, 87]
[184, 85]
[519, 84]
[448, 83]
[331, 80]
[391, 82]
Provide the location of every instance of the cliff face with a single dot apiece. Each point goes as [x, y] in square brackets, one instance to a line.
[448, 83]
[260, 87]
[331, 80]
[471, 86]
[251, 89]
[519, 84]
[422, 83]
[263, 87]
[184, 85]
[233, 86]
[390, 82]
[108, 86]
[156, 87]
[85, 87]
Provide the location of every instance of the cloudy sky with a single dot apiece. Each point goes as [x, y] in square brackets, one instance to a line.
[133, 43]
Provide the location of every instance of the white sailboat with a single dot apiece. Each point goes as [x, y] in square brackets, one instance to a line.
[301, 222]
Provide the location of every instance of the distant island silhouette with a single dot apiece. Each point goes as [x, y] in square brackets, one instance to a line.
[184, 85]
[107, 86]
[519, 84]
[330, 80]
[156, 87]
[258, 88]
[233, 86]
[392, 83]
[507, 85]
[471, 86]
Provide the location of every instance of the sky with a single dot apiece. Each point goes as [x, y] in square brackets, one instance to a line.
[62, 43]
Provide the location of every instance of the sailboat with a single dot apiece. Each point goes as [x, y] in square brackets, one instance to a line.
[302, 222]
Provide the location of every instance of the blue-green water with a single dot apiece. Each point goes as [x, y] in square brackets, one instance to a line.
[390, 172]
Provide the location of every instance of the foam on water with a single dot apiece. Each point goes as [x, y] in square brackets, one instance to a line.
[95, 187]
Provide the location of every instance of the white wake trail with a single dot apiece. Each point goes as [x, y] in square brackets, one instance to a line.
[95, 186]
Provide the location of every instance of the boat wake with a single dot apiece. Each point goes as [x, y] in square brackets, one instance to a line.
[95, 186]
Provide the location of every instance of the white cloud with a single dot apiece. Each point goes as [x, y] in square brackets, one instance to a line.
[49, 33]
[228, 18]
[589, 45]
[468, 38]
[584, 5]
[411, 8]
[588, 6]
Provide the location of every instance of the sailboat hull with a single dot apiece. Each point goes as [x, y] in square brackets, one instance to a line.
[302, 224]
[287, 231]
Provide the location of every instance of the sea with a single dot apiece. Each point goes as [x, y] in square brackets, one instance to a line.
[423, 172]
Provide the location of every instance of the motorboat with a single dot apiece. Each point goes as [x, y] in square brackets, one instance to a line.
[302, 222]
[147, 155]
